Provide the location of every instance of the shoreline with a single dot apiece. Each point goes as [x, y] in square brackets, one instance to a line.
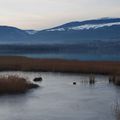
[20, 63]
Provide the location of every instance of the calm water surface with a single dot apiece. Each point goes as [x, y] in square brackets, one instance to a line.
[59, 99]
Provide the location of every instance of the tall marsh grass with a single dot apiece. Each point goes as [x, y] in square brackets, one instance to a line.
[14, 84]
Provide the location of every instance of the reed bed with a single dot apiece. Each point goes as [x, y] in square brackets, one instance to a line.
[115, 79]
[9, 63]
[14, 84]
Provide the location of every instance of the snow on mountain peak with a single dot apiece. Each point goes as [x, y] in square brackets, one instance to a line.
[57, 29]
[93, 26]
[85, 27]
[31, 32]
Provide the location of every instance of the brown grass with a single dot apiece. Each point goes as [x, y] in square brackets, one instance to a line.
[56, 65]
[14, 84]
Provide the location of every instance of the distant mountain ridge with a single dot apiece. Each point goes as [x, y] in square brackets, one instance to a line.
[100, 36]
[105, 29]
[12, 34]
[95, 21]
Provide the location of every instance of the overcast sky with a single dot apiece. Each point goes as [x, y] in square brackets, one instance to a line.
[40, 14]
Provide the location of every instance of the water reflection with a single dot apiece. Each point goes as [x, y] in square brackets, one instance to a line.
[116, 109]
[59, 99]
[90, 80]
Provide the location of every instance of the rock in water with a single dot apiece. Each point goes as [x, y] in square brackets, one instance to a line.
[74, 83]
[39, 79]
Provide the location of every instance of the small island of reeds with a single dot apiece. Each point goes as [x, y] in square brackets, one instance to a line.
[14, 85]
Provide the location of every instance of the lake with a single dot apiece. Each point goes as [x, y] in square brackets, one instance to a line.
[58, 99]
[61, 51]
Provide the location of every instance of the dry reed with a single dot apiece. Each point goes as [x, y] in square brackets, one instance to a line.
[14, 84]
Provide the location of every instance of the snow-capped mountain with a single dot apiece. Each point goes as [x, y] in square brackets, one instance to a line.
[107, 29]
[91, 36]
[89, 24]
[85, 27]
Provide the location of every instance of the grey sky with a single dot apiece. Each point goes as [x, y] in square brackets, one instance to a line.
[40, 14]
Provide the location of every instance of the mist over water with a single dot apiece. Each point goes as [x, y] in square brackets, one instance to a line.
[59, 51]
